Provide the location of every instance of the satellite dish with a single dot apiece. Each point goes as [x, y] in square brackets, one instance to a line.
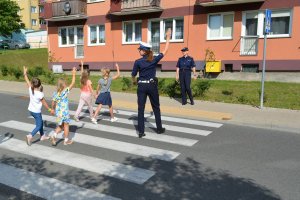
[67, 8]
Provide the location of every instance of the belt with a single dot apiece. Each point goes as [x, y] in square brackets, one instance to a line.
[185, 69]
[147, 81]
[144, 81]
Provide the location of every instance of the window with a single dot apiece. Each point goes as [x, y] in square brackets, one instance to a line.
[220, 26]
[280, 23]
[254, 23]
[132, 32]
[42, 9]
[33, 22]
[177, 29]
[157, 31]
[42, 21]
[69, 36]
[33, 9]
[96, 34]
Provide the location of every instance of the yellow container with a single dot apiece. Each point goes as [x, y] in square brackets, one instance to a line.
[213, 66]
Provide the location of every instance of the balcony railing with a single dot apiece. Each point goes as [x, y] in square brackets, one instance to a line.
[129, 7]
[68, 10]
[224, 2]
[249, 45]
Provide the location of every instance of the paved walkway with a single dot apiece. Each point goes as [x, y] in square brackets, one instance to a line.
[271, 118]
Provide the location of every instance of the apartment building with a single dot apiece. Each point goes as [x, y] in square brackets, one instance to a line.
[29, 13]
[106, 31]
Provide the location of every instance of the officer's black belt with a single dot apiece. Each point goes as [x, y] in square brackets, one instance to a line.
[185, 69]
[147, 81]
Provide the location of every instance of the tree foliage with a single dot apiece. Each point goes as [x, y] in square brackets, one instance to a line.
[10, 20]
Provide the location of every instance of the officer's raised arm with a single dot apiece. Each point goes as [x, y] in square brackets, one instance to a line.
[168, 38]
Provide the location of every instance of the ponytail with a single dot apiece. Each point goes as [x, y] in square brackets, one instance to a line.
[32, 90]
[149, 54]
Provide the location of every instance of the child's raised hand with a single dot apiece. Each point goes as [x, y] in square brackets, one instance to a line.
[169, 33]
[117, 66]
[74, 71]
[25, 70]
[81, 62]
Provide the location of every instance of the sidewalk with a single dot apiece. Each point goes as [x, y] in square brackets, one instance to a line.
[271, 118]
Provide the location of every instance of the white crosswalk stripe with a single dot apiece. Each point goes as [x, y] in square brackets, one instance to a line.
[99, 166]
[166, 118]
[45, 187]
[152, 125]
[129, 132]
[104, 143]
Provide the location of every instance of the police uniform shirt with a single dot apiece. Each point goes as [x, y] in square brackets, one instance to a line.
[186, 63]
[146, 69]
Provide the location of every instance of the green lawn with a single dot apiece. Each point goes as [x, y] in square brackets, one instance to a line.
[27, 57]
[278, 95]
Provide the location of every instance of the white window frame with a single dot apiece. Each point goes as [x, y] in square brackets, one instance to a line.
[96, 1]
[221, 28]
[97, 30]
[32, 22]
[261, 18]
[35, 9]
[162, 29]
[75, 36]
[133, 32]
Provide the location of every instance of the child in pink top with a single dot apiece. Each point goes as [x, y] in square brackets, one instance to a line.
[86, 95]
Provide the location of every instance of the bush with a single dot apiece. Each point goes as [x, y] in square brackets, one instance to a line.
[227, 92]
[17, 72]
[200, 87]
[126, 83]
[4, 70]
[161, 84]
[172, 89]
[242, 99]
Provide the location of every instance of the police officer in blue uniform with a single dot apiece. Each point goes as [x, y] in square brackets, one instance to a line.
[185, 66]
[147, 83]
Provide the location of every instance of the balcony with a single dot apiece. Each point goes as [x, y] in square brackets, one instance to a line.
[66, 10]
[249, 45]
[208, 3]
[131, 7]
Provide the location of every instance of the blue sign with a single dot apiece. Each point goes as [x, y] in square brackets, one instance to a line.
[268, 21]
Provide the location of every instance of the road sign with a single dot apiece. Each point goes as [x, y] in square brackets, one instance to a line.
[267, 31]
[268, 21]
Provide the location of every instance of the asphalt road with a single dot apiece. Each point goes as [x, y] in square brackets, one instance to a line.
[201, 160]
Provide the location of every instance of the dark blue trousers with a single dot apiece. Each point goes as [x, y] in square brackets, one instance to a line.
[185, 85]
[150, 90]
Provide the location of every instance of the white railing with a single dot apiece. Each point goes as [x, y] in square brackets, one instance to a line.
[249, 45]
[127, 4]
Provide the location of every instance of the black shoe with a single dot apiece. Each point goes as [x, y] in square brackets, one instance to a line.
[141, 135]
[160, 131]
[192, 103]
[184, 103]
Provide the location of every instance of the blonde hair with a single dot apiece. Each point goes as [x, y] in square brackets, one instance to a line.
[105, 72]
[61, 82]
[84, 78]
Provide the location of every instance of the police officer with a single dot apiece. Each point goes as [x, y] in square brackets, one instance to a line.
[147, 83]
[185, 66]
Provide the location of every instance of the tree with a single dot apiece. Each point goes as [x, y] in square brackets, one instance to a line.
[10, 20]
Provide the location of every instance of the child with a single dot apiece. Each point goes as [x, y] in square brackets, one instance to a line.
[36, 94]
[61, 104]
[104, 98]
[86, 95]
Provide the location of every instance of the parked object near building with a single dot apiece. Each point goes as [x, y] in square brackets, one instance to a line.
[15, 44]
[103, 31]
[37, 39]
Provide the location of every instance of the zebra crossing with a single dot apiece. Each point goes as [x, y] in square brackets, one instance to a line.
[33, 183]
